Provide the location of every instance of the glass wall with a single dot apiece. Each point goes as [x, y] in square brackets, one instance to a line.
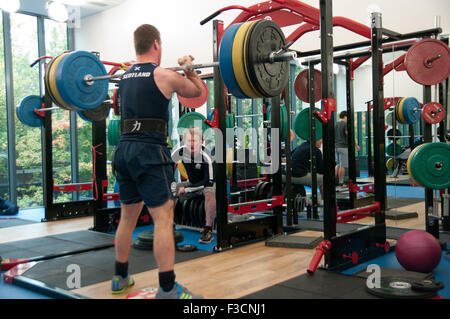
[55, 44]
[3, 128]
[24, 45]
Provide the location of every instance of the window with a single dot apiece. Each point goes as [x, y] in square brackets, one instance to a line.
[3, 127]
[24, 47]
[55, 44]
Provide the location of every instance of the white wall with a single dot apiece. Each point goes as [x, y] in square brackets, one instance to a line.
[110, 32]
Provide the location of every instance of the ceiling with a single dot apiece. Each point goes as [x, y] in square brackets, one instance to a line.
[87, 7]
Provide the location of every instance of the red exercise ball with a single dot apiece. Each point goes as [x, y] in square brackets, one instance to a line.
[418, 251]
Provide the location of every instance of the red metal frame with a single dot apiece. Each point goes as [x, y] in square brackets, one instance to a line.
[253, 208]
[357, 188]
[73, 187]
[249, 182]
[358, 213]
[329, 106]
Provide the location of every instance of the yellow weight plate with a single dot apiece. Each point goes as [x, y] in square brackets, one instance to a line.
[400, 111]
[238, 61]
[408, 163]
[182, 169]
[245, 61]
[53, 86]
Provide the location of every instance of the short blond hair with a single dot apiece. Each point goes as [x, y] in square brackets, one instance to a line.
[193, 131]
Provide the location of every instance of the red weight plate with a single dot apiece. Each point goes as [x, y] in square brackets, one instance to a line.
[301, 86]
[433, 113]
[428, 62]
[195, 102]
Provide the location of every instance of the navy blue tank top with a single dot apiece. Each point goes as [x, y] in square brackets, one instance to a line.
[140, 97]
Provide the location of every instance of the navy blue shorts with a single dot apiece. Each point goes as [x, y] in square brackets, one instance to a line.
[144, 172]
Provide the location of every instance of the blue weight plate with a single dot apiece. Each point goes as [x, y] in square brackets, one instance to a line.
[70, 74]
[25, 111]
[210, 114]
[226, 63]
[411, 110]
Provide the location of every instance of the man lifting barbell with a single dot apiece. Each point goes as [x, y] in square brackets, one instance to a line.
[199, 167]
[143, 165]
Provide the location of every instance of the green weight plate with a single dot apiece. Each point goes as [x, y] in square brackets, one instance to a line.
[191, 119]
[393, 149]
[113, 132]
[302, 125]
[284, 122]
[431, 165]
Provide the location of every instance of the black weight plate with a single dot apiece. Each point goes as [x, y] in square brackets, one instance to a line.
[264, 192]
[194, 209]
[186, 248]
[398, 288]
[261, 190]
[142, 245]
[185, 206]
[197, 215]
[100, 113]
[178, 211]
[265, 37]
[390, 133]
[428, 285]
[146, 236]
[188, 212]
[258, 186]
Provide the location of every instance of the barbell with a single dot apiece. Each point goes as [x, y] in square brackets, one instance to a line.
[253, 61]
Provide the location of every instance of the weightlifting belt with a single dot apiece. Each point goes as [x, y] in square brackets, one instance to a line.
[144, 125]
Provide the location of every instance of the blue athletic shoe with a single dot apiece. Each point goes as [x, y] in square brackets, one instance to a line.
[177, 292]
[119, 284]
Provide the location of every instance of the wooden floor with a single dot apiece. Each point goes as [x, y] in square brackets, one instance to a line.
[226, 275]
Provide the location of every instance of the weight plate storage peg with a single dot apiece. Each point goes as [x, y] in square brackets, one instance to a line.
[70, 76]
[25, 111]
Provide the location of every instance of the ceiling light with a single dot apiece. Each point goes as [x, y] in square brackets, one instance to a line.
[57, 11]
[10, 5]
